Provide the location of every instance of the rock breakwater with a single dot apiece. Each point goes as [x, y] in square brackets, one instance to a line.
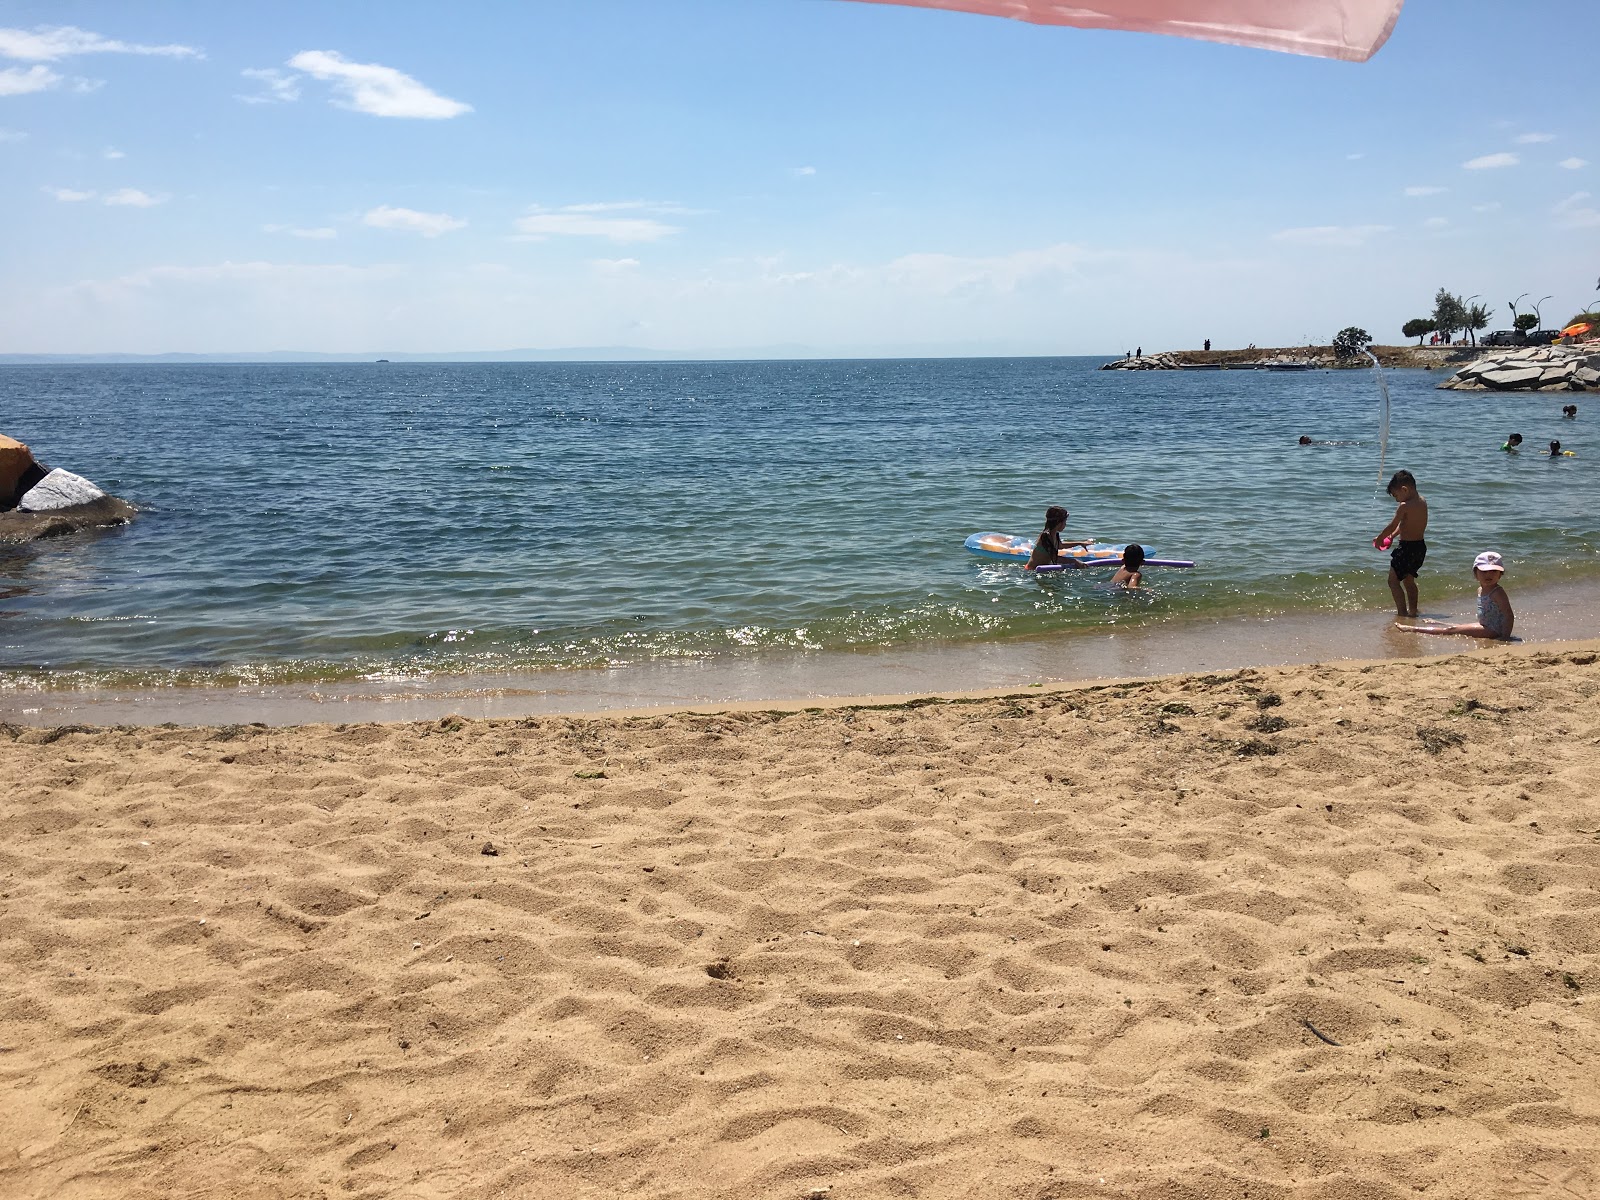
[1539, 369]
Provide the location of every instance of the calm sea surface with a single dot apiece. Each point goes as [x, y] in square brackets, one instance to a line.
[392, 521]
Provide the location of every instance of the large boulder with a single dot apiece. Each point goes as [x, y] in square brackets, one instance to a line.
[36, 502]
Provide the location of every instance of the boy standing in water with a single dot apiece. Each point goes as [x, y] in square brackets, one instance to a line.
[1408, 526]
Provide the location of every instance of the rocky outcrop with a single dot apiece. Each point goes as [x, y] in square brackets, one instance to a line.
[1145, 362]
[20, 526]
[1540, 369]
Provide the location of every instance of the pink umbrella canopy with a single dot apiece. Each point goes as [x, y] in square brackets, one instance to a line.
[1348, 29]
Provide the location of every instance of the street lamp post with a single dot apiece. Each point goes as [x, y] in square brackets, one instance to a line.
[1539, 314]
[1466, 307]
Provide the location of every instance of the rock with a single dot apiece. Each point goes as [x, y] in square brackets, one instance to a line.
[17, 526]
[1512, 377]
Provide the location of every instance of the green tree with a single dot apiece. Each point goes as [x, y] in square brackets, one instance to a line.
[1525, 322]
[1350, 341]
[1417, 327]
[1477, 317]
[1449, 313]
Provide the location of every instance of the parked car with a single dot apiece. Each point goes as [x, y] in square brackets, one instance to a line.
[1504, 337]
[1543, 337]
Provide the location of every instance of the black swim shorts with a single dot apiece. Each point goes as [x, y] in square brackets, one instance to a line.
[1406, 558]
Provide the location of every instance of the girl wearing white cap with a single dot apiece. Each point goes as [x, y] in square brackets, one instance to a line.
[1495, 617]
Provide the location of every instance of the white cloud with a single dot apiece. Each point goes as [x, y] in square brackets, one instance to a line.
[410, 221]
[47, 43]
[12, 135]
[1331, 235]
[320, 234]
[133, 198]
[1436, 222]
[111, 155]
[68, 195]
[1533, 139]
[1354, 157]
[1424, 191]
[581, 220]
[802, 172]
[659, 207]
[1573, 164]
[15, 81]
[1488, 162]
[277, 87]
[378, 90]
[1575, 213]
[615, 266]
[84, 86]
[1492, 206]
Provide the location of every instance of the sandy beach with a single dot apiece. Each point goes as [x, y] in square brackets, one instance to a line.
[1315, 931]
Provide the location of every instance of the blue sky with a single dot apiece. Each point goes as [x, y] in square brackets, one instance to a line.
[721, 175]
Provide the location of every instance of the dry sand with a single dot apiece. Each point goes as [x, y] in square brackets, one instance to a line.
[1326, 931]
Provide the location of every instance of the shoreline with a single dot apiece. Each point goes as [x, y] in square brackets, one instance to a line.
[1553, 616]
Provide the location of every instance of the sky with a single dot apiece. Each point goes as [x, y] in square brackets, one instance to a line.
[767, 177]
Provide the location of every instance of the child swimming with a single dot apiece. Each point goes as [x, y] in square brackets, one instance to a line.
[1511, 443]
[1495, 618]
[1130, 573]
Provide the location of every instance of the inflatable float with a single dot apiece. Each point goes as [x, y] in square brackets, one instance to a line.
[1004, 547]
[37, 502]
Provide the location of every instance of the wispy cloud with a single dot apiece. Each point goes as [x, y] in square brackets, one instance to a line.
[1331, 235]
[587, 220]
[68, 195]
[1575, 212]
[321, 233]
[277, 87]
[1424, 191]
[615, 266]
[111, 154]
[1491, 206]
[1356, 157]
[134, 198]
[375, 89]
[1488, 162]
[408, 220]
[802, 172]
[1533, 139]
[1573, 164]
[1436, 222]
[12, 135]
[50, 43]
[19, 81]
[656, 207]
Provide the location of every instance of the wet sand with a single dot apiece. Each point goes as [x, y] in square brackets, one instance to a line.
[1569, 612]
[1327, 932]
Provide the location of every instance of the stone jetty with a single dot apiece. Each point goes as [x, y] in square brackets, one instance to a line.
[1538, 369]
[1145, 362]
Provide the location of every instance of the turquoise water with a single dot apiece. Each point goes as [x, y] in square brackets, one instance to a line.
[328, 522]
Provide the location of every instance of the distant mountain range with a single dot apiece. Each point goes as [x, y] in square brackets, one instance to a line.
[566, 354]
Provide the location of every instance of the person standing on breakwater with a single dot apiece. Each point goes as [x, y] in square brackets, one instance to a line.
[1409, 523]
[1048, 545]
[1208, 345]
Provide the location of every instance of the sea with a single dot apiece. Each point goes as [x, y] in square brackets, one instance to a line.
[395, 523]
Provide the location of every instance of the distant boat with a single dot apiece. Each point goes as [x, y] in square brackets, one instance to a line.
[383, 360]
[1289, 365]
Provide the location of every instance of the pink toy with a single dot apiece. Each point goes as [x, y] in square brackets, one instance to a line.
[1381, 544]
